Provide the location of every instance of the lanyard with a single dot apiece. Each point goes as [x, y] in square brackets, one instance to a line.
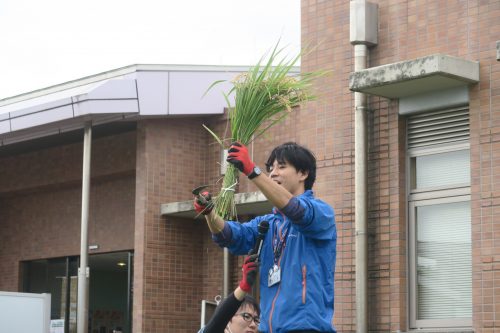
[279, 240]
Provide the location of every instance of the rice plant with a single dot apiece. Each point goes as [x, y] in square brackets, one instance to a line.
[263, 96]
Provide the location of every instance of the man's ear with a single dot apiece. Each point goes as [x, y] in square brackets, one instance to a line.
[303, 175]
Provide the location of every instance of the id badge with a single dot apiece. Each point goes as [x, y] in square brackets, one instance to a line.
[274, 276]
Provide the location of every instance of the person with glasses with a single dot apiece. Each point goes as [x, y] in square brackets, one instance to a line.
[239, 312]
[298, 255]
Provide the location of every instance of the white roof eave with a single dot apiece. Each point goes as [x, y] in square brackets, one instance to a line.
[137, 90]
[67, 109]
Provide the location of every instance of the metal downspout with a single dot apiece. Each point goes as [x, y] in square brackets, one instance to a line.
[363, 33]
[83, 270]
[225, 286]
[361, 196]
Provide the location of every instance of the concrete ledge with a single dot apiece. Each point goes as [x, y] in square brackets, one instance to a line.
[249, 203]
[414, 77]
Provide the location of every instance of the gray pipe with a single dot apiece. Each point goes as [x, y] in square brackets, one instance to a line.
[83, 271]
[363, 33]
[225, 287]
[361, 197]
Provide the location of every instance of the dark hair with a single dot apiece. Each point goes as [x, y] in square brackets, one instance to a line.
[252, 303]
[300, 157]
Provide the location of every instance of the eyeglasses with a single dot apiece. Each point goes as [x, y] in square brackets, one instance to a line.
[248, 317]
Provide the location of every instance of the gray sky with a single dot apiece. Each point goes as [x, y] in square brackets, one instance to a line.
[53, 41]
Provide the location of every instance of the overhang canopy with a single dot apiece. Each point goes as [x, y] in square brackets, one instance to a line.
[250, 203]
[414, 77]
[130, 92]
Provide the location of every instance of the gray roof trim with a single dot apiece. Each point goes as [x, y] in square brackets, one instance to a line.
[67, 108]
[120, 72]
[136, 90]
[124, 71]
[417, 76]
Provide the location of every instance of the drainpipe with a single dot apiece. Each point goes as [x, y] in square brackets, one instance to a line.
[363, 33]
[225, 258]
[83, 270]
[225, 286]
[361, 198]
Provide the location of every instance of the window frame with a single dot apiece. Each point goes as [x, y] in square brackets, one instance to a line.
[423, 197]
[412, 262]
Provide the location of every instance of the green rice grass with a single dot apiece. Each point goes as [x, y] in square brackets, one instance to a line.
[264, 96]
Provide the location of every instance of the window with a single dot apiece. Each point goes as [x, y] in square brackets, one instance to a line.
[439, 218]
[110, 289]
[57, 277]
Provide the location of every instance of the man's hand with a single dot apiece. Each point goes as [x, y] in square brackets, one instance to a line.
[203, 203]
[249, 273]
[239, 157]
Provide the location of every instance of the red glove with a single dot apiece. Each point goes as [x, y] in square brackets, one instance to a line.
[249, 273]
[238, 156]
[203, 203]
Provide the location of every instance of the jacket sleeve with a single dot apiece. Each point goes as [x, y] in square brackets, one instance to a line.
[240, 237]
[225, 311]
[312, 217]
[244, 236]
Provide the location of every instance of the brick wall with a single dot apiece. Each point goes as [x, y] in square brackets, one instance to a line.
[483, 30]
[40, 203]
[169, 262]
[407, 30]
[326, 125]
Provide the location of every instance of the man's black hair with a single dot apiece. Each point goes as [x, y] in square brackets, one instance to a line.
[252, 303]
[218, 325]
[299, 157]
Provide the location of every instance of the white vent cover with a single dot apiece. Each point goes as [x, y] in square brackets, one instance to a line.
[438, 127]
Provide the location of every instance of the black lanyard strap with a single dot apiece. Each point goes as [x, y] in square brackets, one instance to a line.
[279, 242]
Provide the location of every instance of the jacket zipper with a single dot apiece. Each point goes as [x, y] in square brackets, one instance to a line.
[272, 309]
[304, 284]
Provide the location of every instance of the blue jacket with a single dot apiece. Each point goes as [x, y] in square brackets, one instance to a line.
[304, 299]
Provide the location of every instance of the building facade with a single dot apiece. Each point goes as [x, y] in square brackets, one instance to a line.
[429, 94]
[431, 85]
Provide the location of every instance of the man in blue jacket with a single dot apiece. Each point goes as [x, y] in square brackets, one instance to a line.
[299, 251]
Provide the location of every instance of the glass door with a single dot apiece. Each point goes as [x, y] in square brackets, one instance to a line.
[109, 294]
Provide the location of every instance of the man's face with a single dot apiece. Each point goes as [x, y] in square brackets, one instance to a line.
[286, 175]
[244, 321]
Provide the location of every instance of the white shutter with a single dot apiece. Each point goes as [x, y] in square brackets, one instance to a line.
[438, 127]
